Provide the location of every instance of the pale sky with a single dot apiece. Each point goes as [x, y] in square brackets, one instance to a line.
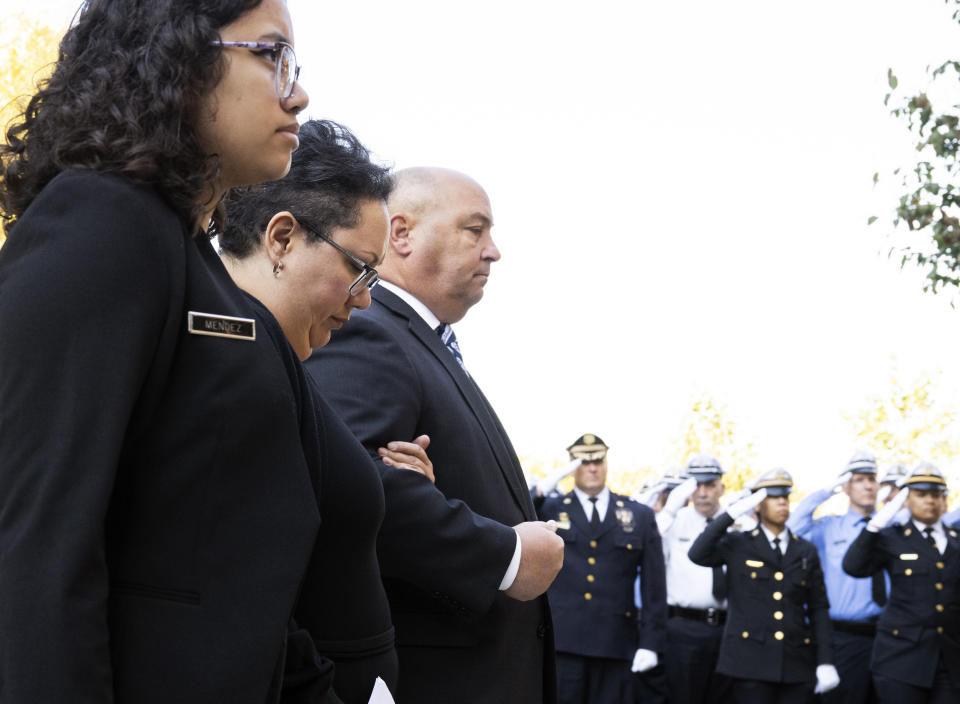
[680, 190]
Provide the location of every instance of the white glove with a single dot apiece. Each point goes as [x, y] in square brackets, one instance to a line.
[649, 497]
[746, 504]
[678, 497]
[883, 492]
[549, 482]
[881, 519]
[827, 679]
[731, 499]
[644, 660]
[843, 479]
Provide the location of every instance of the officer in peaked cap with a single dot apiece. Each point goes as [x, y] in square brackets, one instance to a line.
[696, 595]
[608, 537]
[776, 644]
[889, 482]
[916, 655]
[855, 603]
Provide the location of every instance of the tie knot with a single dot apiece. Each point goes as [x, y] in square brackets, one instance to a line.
[593, 499]
[928, 530]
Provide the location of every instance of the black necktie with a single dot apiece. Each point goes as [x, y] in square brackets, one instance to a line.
[878, 585]
[776, 547]
[928, 531]
[719, 581]
[595, 517]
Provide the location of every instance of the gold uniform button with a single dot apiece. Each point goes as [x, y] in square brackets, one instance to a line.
[591, 560]
[908, 571]
[590, 578]
[588, 596]
[753, 575]
[777, 596]
[939, 586]
[806, 641]
[628, 614]
[593, 543]
[778, 635]
[778, 576]
[746, 634]
[629, 546]
[778, 615]
[896, 631]
[939, 565]
[939, 629]
[940, 608]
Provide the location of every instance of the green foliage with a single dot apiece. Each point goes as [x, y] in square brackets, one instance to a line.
[929, 204]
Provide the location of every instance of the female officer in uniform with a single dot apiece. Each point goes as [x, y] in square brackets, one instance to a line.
[916, 654]
[155, 459]
[776, 645]
[306, 247]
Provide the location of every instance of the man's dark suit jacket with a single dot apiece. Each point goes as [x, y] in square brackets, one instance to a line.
[459, 638]
[592, 598]
[156, 507]
[912, 632]
[778, 626]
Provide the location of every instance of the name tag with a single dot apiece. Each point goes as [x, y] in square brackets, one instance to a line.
[909, 556]
[221, 326]
[754, 563]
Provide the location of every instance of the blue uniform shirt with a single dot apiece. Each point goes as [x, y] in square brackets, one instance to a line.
[851, 599]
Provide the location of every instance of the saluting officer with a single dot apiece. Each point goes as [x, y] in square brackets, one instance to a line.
[608, 537]
[696, 595]
[916, 653]
[854, 603]
[776, 643]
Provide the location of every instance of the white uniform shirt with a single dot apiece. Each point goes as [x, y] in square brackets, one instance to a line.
[603, 500]
[688, 585]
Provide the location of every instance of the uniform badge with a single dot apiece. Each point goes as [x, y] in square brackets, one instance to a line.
[221, 326]
[625, 516]
[563, 521]
[754, 563]
[619, 503]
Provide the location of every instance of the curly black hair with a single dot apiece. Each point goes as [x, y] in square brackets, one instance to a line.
[123, 97]
[330, 174]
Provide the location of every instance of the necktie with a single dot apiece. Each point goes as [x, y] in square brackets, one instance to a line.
[595, 516]
[878, 585]
[449, 339]
[928, 531]
[776, 546]
[719, 580]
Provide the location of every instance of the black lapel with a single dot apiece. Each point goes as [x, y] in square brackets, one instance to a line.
[487, 420]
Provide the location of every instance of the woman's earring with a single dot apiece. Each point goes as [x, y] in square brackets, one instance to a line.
[277, 268]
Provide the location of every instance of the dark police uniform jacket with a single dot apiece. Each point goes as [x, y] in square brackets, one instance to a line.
[778, 626]
[156, 506]
[443, 548]
[592, 597]
[921, 620]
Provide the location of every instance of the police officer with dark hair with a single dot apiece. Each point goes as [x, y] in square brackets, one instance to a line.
[776, 644]
[599, 636]
[916, 653]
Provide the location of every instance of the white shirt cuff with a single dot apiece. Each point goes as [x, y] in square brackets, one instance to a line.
[512, 569]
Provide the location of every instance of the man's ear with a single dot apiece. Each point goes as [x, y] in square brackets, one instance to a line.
[400, 228]
[279, 235]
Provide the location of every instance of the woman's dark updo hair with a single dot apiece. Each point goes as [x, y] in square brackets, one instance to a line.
[330, 176]
[124, 97]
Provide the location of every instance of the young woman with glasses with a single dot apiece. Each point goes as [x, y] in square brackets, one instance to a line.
[156, 452]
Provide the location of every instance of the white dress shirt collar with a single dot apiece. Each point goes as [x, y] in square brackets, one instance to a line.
[939, 533]
[603, 500]
[429, 318]
[784, 538]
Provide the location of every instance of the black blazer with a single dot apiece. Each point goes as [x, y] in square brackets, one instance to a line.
[156, 509]
[592, 598]
[921, 620]
[778, 625]
[443, 555]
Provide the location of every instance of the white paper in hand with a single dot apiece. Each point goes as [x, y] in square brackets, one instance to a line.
[381, 694]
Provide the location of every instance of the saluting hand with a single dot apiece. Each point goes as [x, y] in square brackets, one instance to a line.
[409, 455]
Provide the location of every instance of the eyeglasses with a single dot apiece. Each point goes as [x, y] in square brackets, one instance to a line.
[368, 275]
[280, 53]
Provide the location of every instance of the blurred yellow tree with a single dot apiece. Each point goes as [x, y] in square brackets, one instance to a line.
[707, 428]
[909, 422]
[28, 48]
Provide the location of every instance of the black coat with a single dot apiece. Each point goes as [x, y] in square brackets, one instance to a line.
[592, 598]
[443, 558]
[778, 624]
[156, 508]
[921, 620]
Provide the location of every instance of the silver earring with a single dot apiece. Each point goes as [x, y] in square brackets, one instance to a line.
[277, 268]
